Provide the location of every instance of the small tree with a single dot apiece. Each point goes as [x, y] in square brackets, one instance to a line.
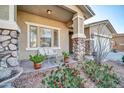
[102, 45]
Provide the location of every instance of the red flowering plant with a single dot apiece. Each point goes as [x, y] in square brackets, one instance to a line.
[64, 77]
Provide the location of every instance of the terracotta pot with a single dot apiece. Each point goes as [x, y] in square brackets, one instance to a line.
[37, 65]
[66, 59]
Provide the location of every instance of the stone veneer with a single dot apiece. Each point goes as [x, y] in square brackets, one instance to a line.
[9, 43]
[78, 48]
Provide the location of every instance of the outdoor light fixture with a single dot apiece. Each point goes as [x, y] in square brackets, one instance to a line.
[49, 11]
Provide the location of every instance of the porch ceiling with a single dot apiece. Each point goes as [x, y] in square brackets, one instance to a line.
[58, 13]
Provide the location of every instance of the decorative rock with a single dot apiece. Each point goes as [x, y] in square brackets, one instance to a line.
[12, 61]
[3, 64]
[14, 53]
[1, 49]
[5, 57]
[5, 43]
[4, 38]
[79, 48]
[5, 32]
[13, 34]
[14, 41]
[12, 47]
[6, 74]
[6, 48]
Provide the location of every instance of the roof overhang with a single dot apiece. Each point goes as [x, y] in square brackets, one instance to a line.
[107, 22]
[119, 35]
[88, 12]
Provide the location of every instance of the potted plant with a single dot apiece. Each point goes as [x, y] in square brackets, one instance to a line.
[37, 60]
[66, 56]
[123, 58]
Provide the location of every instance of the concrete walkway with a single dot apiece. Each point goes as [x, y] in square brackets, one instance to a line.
[115, 56]
[29, 67]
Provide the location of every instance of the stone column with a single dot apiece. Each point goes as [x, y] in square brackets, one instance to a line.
[78, 37]
[89, 45]
[9, 33]
[9, 46]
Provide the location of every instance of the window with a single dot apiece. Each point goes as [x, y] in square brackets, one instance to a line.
[33, 36]
[55, 35]
[41, 36]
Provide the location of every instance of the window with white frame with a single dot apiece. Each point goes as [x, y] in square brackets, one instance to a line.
[41, 36]
[33, 36]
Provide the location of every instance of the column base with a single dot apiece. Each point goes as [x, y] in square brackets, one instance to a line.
[78, 48]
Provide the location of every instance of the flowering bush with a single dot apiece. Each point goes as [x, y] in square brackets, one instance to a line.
[64, 77]
[101, 74]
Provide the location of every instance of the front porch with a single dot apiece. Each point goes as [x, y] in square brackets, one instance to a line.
[49, 26]
[32, 27]
[48, 64]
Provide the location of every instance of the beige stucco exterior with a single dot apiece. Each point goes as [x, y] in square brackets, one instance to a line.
[95, 30]
[4, 10]
[63, 17]
[101, 29]
[118, 42]
[23, 17]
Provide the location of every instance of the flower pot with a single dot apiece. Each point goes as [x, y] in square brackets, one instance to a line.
[37, 65]
[66, 59]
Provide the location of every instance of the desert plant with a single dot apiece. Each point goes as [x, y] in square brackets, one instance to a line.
[65, 54]
[37, 58]
[102, 75]
[64, 77]
[123, 58]
[101, 45]
[114, 50]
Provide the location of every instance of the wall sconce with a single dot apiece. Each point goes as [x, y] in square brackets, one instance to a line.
[49, 11]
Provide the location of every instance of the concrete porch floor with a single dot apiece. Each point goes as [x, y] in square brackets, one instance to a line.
[29, 67]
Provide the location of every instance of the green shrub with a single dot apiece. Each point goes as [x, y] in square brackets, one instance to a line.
[37, 58]
[64, 77]
[66, 54]
[102, 75]
[123, 58]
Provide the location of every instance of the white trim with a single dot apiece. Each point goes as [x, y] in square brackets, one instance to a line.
[89, 10]
[89, 39]
[31, 48]
[121, 44]
[11, 13]
[11, 25]
[34, 49]
[59, 38]
[78, 36]
[106, 36]
[77, 16]
[28, 41]
[38, 26]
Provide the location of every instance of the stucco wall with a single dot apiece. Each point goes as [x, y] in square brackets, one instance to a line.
[87, 32]
[118, 43]
[23, 17]
[4, 12]
[102, 30]
[105, 35]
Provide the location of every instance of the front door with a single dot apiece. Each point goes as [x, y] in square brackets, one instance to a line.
[70, 42]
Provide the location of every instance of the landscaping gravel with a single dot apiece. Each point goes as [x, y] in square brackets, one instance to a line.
[119, 70]
[33, 79]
